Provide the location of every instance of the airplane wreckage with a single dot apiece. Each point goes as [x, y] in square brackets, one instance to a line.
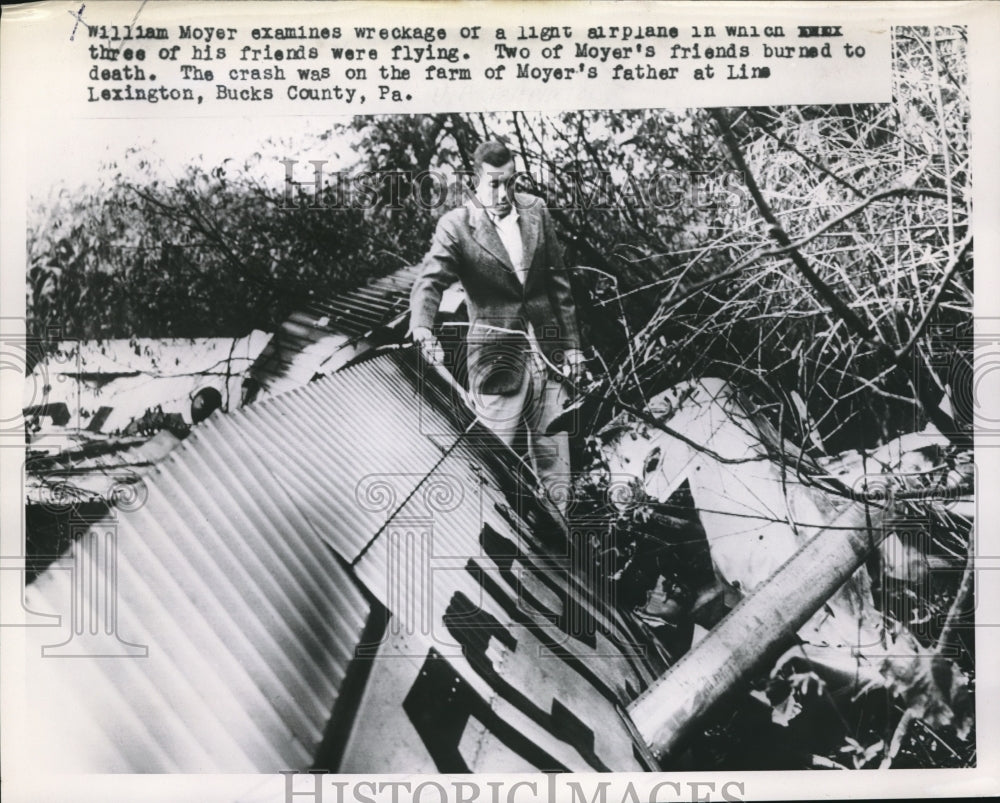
[353, 576]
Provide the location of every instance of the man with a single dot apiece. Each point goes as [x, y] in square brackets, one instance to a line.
[502, 247]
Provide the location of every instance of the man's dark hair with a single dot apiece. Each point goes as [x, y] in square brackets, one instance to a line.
[492, 152]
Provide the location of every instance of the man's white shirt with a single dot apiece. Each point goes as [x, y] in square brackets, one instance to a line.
[510, 235]
[509, 230]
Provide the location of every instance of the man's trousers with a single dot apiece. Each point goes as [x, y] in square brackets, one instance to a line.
[538, 401]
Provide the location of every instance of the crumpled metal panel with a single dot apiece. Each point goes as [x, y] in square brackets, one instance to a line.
[374, 304]
[226, 575]
[472, 599]
[347, 447]
[217, 626]
[103, 477]
[489, 613]
[300, 349]
[325, 336]
[132, 376]
[152, 356]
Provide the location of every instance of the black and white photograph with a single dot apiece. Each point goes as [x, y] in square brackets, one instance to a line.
[370, 455]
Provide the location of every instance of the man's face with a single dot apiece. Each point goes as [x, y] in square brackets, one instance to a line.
[494, 189]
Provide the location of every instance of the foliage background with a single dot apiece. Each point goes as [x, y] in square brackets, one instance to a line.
[679, 273]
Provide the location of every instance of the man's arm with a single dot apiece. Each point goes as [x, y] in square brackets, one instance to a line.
[440, 271]
[561, 292]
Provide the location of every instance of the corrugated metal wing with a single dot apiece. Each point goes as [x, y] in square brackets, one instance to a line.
[244, 619]
[234, 592]
[326, 335]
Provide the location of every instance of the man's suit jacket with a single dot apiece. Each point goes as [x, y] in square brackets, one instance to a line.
[467, 248]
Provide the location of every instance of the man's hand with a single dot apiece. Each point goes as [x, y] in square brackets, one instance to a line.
[429, 345]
